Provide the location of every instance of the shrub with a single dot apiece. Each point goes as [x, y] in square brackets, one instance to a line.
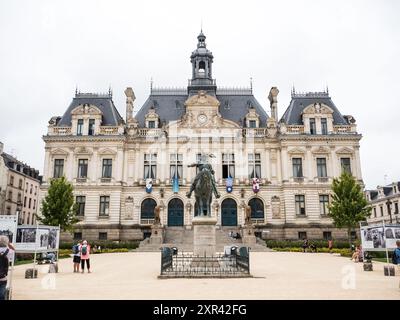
[298, 243]
[104, 244]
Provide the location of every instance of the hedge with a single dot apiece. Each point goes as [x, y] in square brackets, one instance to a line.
[104, 244]
[342, 252]
[299, 243]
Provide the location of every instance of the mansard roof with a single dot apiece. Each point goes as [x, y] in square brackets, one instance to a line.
[104, 102]
[387, 190]
[293, 114]
[14, 164]
[170, 105]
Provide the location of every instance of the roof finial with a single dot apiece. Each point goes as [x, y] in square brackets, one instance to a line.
[327, 90]
[109, 90]
[251, 84]
[151, 85]
[76, 89]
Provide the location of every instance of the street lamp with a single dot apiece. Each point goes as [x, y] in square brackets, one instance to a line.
[19, 208]
[389, 203]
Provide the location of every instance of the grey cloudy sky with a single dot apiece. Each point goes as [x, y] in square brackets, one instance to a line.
[49, 47]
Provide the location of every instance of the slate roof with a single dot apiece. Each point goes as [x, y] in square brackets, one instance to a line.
[11, 162]
[299, 102]
[373, 194]
[387, 190]
[232, 107]
[111, 116]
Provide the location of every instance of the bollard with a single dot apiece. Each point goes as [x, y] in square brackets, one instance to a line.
[368, 266]
[388, 271]
[31, 273]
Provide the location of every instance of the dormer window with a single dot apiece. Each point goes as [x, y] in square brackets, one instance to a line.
[79, 128]
[91, 127]
[252, 124]
[313, 129]
[324, 126]
[152, 124]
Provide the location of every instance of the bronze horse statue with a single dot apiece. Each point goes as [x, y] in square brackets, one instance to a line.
[203, 187]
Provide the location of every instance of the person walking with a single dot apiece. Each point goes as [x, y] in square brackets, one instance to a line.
[6, 255]
[76, 256]
[330, 245]
[84, 251]
[305, 245]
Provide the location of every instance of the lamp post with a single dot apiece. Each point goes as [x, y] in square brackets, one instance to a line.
[18, 212]
[388, 204]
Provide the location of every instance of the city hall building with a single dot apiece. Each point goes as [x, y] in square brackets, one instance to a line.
[122, 168]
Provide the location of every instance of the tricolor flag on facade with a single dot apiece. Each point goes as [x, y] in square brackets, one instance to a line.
[149, 185]
[175, 184]
[256, 185]
[229, 184]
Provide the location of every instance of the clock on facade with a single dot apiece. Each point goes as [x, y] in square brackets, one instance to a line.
[202, 118]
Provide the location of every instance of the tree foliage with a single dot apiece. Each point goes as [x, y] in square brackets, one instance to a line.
[58, 207]
[349, 205]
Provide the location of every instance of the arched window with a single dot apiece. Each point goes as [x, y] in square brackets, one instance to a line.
[202, 66]
[257, 208]
[147, 211]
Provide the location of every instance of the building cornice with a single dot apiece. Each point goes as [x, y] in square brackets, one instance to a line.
[97, 138]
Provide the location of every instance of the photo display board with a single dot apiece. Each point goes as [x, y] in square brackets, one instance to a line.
[379, 237]
[37, 238]
[8, 227]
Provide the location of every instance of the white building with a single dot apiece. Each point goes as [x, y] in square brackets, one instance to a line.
[109, 159]
[384, 201]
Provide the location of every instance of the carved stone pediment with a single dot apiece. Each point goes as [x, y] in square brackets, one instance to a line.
[321, 150]
[59, 151]
[83, 151]
[86, 109]
[296, 150]
[202, 99]
[345, 150]
[107, 151]
[316, 108]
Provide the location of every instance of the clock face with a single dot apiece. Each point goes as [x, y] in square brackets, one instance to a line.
[202, 118]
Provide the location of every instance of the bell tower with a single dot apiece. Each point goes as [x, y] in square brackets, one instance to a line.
[202, 60]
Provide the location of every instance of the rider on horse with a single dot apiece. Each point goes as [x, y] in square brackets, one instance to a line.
[203, 165]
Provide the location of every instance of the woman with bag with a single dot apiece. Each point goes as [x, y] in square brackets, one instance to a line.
[84, 250]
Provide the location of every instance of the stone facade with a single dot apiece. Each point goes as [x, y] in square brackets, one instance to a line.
[111, 160]
[384, 201]
[19, 188]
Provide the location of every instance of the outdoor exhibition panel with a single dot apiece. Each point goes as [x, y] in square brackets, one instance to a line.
[37, 238]
[380, 237]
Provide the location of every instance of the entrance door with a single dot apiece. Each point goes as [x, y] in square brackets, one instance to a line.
[175, 213]
[229, 212]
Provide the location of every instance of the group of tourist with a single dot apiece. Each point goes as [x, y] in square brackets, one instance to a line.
[313, 246]
[81, 253]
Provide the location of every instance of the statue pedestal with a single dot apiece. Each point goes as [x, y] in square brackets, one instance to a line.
[157, 234]
[204, 236]
[248, 237]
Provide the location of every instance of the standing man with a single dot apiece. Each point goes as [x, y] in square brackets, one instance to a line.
[396, 254]
[6, 255]
[76, 256]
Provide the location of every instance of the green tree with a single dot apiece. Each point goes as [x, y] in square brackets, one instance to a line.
[58, 207]
[349, 205]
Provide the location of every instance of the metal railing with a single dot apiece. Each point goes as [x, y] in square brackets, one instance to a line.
[188, 265]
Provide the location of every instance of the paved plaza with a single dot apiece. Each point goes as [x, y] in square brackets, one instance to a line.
[277, 275]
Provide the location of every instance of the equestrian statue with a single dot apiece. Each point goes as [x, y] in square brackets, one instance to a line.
[204, 186]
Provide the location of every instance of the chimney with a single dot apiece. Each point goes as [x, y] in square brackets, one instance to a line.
[273, 98]
[130, 98]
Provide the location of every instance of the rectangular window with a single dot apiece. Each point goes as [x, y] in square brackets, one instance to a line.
[297, 167]
[9, 195]
[323, 204]
[345, 164]
[321, 167]
[374, 212]
[58, 168]
[150, 166]
[228, 165]
[313, 129]
[300, 205]
[82, 168]
[252, 124]
[254, 165]
[34, 204]
[324, 126]
[31, 189]
[381, 211]
[30, 202]
[11, 180]
[80, 201]
[102, 235]
[24, 202]
[77, 235]
[175, 166]
[396, 207]
[91, 127]
[104, 205]
[353, 235]
[152, 124]
[107, 168]
[327, 235]
[79, 128]
[20, 184]
[302, 235]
